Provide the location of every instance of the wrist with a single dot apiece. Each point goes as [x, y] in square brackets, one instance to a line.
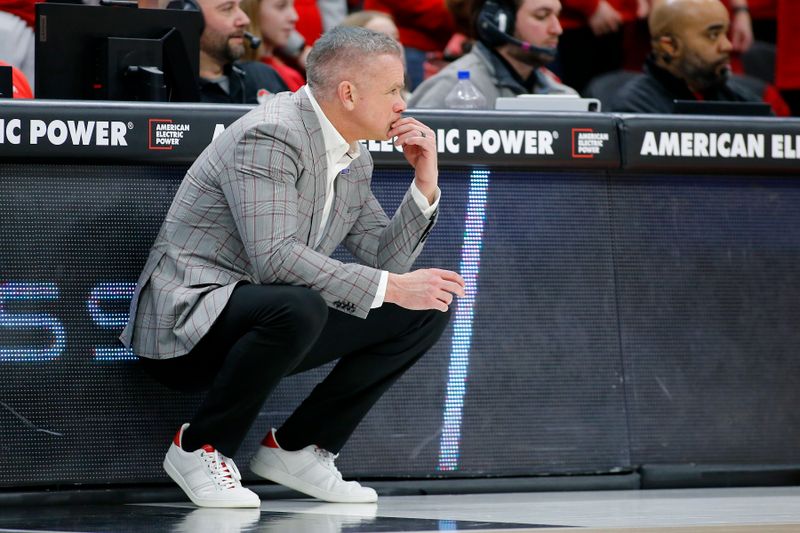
[740, 9]
[391, 287]
[427, 188]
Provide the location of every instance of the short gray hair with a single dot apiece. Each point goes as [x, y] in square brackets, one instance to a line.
[339, 50]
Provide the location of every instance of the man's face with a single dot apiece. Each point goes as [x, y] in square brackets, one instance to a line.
[223, 36]
[537, 22]
[379, 96]
[703, 55]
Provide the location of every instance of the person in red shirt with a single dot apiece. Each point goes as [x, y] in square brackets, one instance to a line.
[425, 26]
[17, 35]
[274, 21]
[20, 87]
[787, 62]
[600, 36]
[775, 22]
[309, 22]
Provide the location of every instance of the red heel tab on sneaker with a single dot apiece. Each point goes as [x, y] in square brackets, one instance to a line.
[270, 441]
[177, 440]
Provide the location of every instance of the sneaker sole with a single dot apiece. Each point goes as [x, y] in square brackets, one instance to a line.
[287, 480]
[173, 473]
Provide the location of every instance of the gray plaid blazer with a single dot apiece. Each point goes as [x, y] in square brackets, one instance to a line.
[249, 209]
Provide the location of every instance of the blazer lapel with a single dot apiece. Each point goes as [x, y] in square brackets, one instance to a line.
[346, 202]
[337, 215]
[313, 197]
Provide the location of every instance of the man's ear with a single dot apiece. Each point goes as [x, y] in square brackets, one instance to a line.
[669, 48]
[346, 92]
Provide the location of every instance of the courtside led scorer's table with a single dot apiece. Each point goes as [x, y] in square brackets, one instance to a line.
[633, 295]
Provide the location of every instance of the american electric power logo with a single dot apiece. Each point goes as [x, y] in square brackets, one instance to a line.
[724, 145]
[56, 132]
[587, 143]
[488, 141]
[164, 134]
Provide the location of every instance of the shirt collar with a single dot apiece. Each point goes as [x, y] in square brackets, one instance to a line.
[335, 145]
[676, 86]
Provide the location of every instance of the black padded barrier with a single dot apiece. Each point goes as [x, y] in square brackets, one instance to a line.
[627, 309]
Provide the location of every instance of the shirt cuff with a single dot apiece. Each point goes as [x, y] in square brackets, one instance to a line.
[381, 294]
[427, 209]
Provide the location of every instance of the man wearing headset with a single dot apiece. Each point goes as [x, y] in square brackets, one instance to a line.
[223, 79]
[515, 39]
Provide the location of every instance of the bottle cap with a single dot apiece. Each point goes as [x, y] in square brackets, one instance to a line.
[463, 74]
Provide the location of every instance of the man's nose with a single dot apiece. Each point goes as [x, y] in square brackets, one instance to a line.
[399, 105]
[555, 26]
[725, 44]
[241, 18]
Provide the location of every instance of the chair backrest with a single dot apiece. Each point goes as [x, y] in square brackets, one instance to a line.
[605, 86]
[759, 61]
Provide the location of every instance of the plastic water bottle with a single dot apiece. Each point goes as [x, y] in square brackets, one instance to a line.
[464, 94]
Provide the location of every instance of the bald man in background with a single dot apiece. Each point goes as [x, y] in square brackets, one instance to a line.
[690, 59]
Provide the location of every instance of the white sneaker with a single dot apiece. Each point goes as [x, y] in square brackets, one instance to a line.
[310, 471]
[209, 478]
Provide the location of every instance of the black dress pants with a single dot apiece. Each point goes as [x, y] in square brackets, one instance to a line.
[267, 332]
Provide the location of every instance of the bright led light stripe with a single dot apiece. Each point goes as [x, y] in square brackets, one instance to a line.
[448, 525]
[462, 323]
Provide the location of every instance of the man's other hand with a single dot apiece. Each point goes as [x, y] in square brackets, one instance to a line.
[428, 288]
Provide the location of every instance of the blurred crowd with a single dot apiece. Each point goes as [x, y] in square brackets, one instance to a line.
[630, 54]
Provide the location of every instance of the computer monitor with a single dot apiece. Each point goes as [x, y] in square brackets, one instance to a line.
[117, 53]
[6, 82]
[707, 107]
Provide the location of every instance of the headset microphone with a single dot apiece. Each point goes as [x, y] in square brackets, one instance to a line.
[496, 26]
[254, 41]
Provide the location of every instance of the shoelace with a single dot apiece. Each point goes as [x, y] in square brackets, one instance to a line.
[327, 458]
[223, 471]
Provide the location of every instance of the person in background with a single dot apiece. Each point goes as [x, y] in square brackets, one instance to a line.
[315, 17]
[690, 59]
[775, 23]
[16, 35]
[380, 22]
[373, 20]
[741, 30]
[223, 78]
[274, 21]
[516, 38]
[425, 26]
[598, 37]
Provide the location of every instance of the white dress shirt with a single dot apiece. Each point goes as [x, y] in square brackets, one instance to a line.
[338, 156]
